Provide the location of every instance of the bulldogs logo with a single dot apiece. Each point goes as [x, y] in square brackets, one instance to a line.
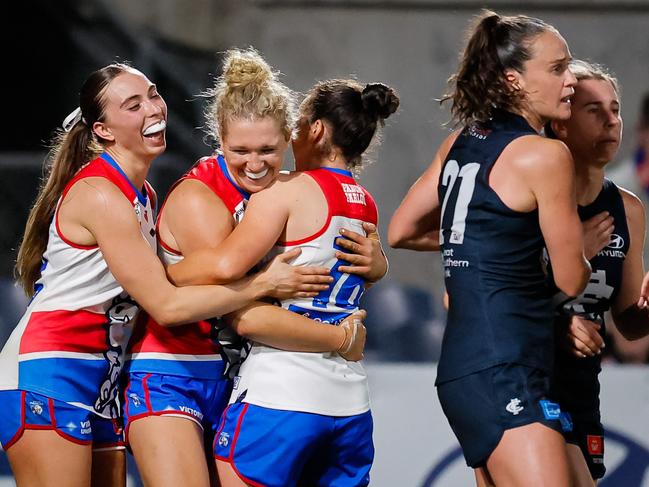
[224, 439]
[120, 320]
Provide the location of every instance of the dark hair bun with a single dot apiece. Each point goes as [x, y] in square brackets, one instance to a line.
[490, 20]
[379, 101]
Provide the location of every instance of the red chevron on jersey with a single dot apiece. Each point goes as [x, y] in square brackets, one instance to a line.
[70, 331]
[99, 167]
[186, 350]
[212, 171]
[191, 339]
[345, 198]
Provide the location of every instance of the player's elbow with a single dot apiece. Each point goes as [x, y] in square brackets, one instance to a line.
[397, 237]
[166, 318]
[571, 287]
[225, 270]
[168, 313]
[572, 283]
[395, 243]
[243, 324]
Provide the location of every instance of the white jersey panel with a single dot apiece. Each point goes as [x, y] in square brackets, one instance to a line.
[321, 383]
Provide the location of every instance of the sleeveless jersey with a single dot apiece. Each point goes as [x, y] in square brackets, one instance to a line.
[576, 385]
[500, 305]
[321, 383]
[189, 350]
[70, 343]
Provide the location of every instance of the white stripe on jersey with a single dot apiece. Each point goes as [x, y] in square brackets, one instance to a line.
[173, 356]
[58, 354]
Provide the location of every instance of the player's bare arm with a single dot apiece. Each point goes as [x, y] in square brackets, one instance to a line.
[109, 217]
[630, 319]
[415, 224]
[547, 169]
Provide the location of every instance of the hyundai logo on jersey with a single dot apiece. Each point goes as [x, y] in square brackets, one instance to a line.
[616, 242]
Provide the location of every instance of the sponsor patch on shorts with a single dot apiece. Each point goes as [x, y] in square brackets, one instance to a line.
[595, 444]
[566, 422]
[551, 410]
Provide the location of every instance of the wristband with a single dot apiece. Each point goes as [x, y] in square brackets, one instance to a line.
[346, 337]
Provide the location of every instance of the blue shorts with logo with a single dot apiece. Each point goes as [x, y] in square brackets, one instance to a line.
[278, 448]
[23, 410]
[152, 394]
[480, 407]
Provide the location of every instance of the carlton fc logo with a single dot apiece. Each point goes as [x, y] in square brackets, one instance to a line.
[616, 242]
[514, 406]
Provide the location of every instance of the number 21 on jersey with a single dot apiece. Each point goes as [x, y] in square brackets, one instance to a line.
[459, 205]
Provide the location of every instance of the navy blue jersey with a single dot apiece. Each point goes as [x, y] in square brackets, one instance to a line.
[500, 308]
[576, 386]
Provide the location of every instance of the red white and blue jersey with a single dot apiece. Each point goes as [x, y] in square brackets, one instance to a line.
[70, 343]
[189, 350]
[321, 383]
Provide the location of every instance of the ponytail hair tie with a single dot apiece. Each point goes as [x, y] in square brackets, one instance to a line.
[72, 119]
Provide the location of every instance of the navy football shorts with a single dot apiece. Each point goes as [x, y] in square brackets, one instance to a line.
[481, 406]
[587, 433]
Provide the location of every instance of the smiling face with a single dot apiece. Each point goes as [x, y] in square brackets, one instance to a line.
[254, 151]
[135, 116]
[546, 79]
[594, 129]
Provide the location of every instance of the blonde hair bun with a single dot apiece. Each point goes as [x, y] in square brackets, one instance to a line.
[248, 88]
[244, 68]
